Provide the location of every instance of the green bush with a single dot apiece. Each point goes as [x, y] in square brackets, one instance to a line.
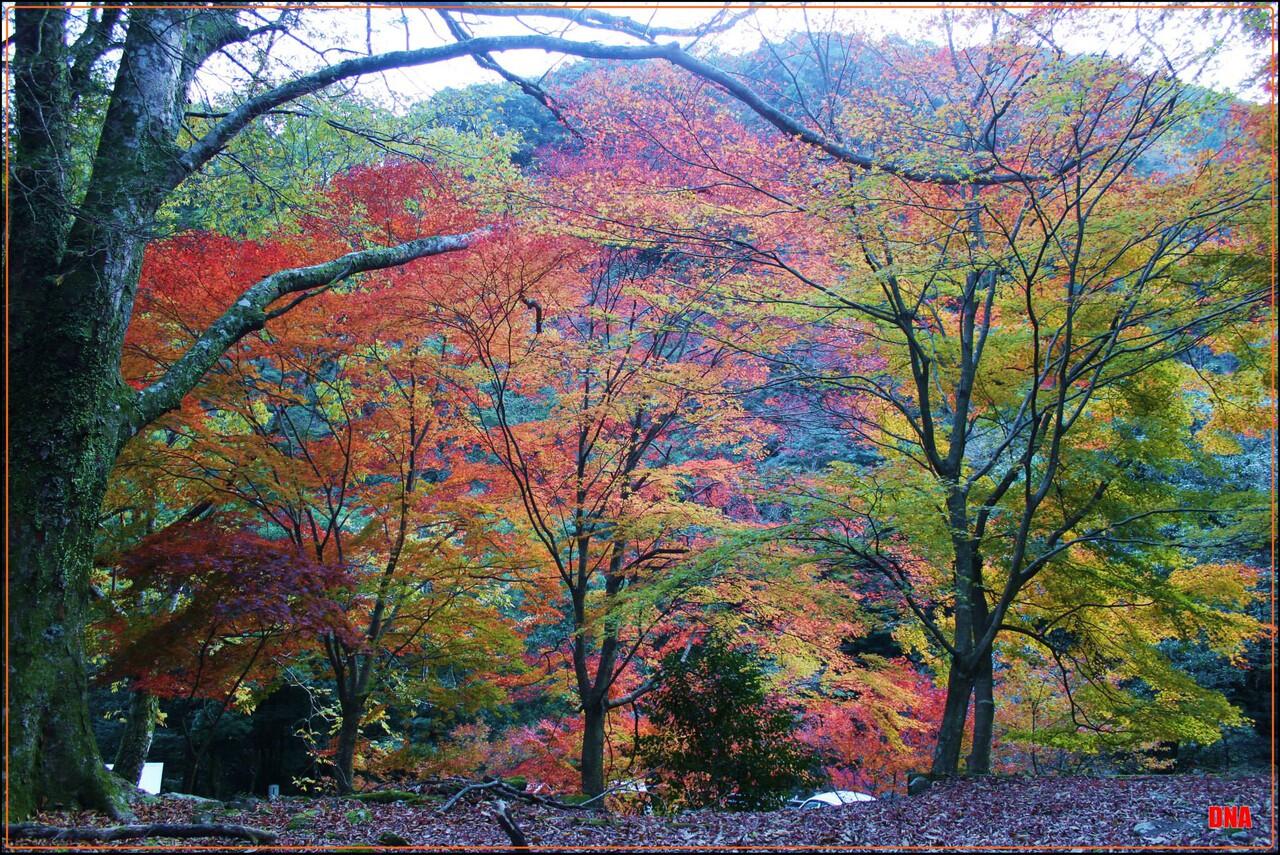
[720, 740]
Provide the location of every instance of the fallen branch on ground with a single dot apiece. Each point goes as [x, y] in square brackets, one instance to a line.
[467, 789]
[502, 813]
[504, 789]
[35, 831]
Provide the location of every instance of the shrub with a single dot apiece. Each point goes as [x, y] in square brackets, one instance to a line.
[720, 739]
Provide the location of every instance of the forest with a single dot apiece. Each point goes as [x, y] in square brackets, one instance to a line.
[545, 426]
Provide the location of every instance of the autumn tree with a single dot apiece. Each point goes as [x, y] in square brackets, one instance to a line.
[231, 606]
[341, 438]
[600, 403]
[1001, 299]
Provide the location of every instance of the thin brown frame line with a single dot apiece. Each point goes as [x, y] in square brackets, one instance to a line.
[1275, 41]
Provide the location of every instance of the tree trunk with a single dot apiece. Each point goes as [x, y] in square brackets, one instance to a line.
[62, 445]
[984, 705]
[593, 748]
[191, 773]
[135, 743]
[965, 570]
[69, 307]
[984, 713]
[344, 758]
[71, 293]
[946, 752]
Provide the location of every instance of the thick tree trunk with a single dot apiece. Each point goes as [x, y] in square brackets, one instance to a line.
[69, 307]
[62, 446]
[135, 743]
[71, 292]
[593, 749]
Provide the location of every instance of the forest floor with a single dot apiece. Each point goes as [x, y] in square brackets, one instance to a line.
[1060, 812]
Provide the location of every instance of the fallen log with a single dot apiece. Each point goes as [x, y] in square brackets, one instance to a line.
[35, 831]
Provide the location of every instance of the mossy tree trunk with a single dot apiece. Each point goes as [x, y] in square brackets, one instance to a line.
[70, 301]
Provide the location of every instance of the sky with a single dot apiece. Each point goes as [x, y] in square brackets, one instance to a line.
[332, 34]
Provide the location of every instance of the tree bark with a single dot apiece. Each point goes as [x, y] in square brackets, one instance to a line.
[70, 306]
[593, 748]
[984, 711]
[984, 703]
[344, 757]
[62, 448]
[502, 813]
[192, 754]
[135, 743]
[946, 752]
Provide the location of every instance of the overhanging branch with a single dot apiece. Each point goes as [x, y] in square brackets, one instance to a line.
[482, 47]
[249, 313]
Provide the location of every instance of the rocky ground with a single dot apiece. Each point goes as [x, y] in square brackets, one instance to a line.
[1154, 811]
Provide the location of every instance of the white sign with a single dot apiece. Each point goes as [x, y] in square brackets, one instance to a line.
[151, 774]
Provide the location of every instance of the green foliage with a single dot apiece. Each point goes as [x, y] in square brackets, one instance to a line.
[719, 739]
[301, 820]
[276, 171]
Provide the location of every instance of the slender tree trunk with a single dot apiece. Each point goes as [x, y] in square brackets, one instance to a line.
[955, 711]
[135, 744]
[984, 704]
[193, 752]
[344, 758]
[593, 748]
[197, 751]
[984, 711]
[192, 758]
